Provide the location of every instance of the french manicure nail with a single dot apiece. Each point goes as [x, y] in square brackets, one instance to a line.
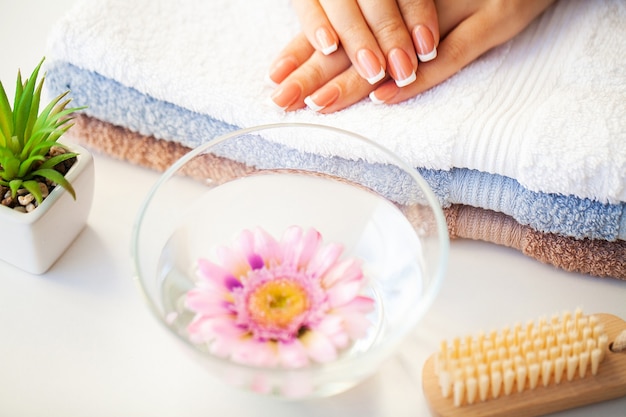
[370, 66]
[286, 95]
[424, 43]
[384, 93]
[281, 69]
[401, 68]
[326, 41]
[322, 98]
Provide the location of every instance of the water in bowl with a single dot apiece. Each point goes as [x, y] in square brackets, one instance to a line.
[370, 228]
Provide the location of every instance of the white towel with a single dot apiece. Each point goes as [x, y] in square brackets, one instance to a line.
[547, 108]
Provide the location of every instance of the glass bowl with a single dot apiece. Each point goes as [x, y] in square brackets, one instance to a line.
[377, 207]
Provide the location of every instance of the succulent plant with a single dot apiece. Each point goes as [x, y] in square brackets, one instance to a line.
[26, 137]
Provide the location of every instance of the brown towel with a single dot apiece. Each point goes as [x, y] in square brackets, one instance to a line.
[594, 257]
[599, 258]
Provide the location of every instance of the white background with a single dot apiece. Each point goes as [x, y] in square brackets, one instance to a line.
[78, 340]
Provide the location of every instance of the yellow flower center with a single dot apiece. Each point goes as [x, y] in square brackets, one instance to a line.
[277, 303]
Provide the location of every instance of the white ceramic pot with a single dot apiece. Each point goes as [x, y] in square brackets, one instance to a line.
[34, 241]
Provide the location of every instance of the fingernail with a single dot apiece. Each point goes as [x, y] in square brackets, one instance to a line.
[281, 69]
[322, 98]
[384, 93]
[424, 43]
[286, 95]
[401, 68]
[370, 66]
[326, 41]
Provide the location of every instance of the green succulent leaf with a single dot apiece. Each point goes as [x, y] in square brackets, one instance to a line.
[24, 105]
[57, 159]
[33, 187]
[39, 145]
[26, 166]
[55, 176]
[15, 185]
[34, 108]
[27, 135]
[10, 168]
[18, 90]
[6, 117]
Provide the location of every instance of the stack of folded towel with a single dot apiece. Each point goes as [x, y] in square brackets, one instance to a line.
[525, 147]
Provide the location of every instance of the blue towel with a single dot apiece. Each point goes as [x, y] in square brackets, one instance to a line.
[112, 102]
[548, 148]
[547, 108]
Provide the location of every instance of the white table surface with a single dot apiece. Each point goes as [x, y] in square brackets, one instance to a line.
[78, 340]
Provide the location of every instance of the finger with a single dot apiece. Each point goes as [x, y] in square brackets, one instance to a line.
[291, 57]
[310, 76]
[388, 26]
[342, 91]
[470, 39]
[421, 19]
[316, 25]
[356, 38]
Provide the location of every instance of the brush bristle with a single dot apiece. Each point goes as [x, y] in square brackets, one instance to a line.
[540, 353]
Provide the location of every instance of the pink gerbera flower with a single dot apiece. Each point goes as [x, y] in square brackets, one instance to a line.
[279, 303]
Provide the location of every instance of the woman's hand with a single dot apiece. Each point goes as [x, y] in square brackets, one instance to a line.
[378, 36]
[328, 83]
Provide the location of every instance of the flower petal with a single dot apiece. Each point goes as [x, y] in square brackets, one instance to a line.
[289, 243]
[359, 304]
[308, 246]
[267, 247]
[324, 259]
[292, 354]
[207, 303]
[330, 324]
[356, 325]
[318, 346]
[333, 327]
[245, 242]
[343, 292]
[233, 261]
[215, 274]
[200, 330]
[255, 261]
[207, 328]
[346, 270]
[226, 326]
[252, 352]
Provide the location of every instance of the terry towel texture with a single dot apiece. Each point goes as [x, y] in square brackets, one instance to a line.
[546, 108]
[595, 257]
[534, 129]
[538, 125]
[549, 213]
